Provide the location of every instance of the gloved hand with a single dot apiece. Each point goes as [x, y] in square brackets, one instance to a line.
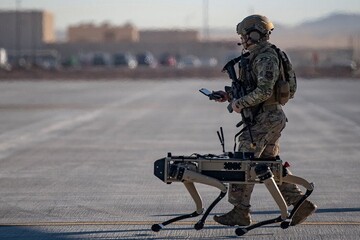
[220, 96]
[236, 106]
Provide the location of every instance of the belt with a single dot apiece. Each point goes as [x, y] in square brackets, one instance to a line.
[271, 107]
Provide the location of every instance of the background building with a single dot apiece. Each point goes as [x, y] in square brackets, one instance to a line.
[172, 36]
[22, 31]
[102, 34]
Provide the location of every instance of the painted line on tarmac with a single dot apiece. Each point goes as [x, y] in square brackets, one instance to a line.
[89, 223]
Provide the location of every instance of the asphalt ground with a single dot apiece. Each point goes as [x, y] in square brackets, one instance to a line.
[76, 158]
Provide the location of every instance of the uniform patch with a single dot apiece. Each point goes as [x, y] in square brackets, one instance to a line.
[269, 75]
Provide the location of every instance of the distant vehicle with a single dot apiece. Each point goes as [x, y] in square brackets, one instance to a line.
[70, 62]
[167, 60]
[47, 62]
[101, 59]
[209, 62]
[125, 59]
[189, 61]
[146, 59]
[3, 57]
[345, 64]
[4, 63]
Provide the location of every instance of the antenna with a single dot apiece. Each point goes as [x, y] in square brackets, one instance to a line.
[206, 20]
[221, 138]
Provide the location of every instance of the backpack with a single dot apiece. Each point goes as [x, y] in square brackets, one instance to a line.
[286, 85]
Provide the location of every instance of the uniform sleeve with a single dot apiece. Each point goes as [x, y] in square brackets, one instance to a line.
[266, 69]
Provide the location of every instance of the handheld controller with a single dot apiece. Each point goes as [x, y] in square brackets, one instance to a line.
[211, 94]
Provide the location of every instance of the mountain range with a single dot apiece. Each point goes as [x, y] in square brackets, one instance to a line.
[337, 30]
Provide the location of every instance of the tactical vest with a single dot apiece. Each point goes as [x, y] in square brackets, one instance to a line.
[285, 86]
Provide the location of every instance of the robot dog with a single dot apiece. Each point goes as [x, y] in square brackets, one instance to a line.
[217, 170]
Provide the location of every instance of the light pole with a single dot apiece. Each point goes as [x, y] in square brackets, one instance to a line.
[18, 31]
[206, 20]
[33, 37]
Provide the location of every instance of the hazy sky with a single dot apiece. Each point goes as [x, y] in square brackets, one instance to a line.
[182, 13]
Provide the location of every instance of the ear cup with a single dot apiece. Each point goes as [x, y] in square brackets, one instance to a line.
[255, 36]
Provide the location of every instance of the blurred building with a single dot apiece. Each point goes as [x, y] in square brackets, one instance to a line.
[174, 36]
[102, 33]
[22, 31]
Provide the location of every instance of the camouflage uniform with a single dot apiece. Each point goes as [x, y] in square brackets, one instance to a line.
[269, 122]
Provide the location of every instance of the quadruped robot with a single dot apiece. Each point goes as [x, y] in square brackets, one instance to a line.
[228, 167]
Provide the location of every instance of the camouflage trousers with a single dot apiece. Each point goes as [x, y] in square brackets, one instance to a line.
[266, 134]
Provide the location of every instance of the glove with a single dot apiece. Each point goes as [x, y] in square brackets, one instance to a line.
[220, 96]
[236, 106]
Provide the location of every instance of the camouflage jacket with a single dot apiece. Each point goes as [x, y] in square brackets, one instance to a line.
[264, 65]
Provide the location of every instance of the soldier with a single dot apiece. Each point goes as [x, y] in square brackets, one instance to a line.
[269, 120]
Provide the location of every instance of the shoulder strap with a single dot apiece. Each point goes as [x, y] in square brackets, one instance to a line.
[283, 62]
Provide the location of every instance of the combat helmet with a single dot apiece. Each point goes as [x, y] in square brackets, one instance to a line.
[255, 26]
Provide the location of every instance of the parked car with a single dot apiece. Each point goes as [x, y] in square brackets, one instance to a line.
[167, 59]
[189, 61]
[4, 63]
[209, 62]
[124, 59]
[48, 62]
[146, 59]
[101, 59]
[70, 62]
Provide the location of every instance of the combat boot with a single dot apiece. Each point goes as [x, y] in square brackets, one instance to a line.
[305, 210]
[237, 216]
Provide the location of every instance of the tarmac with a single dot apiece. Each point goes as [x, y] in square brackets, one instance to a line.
[76, 158]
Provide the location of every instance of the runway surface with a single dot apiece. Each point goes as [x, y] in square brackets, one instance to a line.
[76, 158]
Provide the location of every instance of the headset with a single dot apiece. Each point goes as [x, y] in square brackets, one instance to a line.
[255, 35]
